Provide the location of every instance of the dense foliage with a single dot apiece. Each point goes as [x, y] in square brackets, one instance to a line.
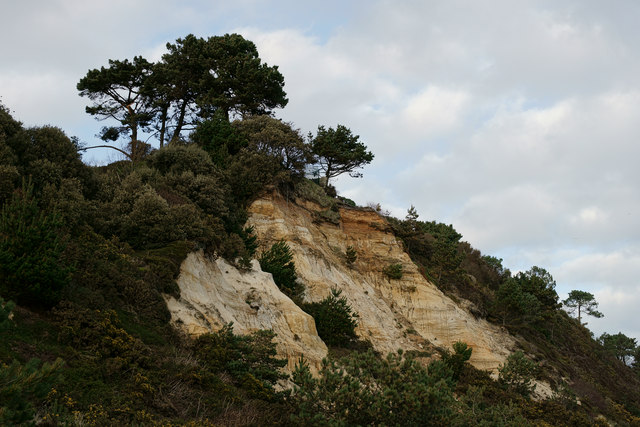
[338, 151]
[32, 269]
[335, 319]
[518, 373]
[195, 79]
[278, 261]
[249, 359]
[364, 389]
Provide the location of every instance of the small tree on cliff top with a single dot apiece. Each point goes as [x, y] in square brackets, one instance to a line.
[338, 151]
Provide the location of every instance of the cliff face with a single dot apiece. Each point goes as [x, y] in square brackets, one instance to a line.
[214, 293]
[408, 313]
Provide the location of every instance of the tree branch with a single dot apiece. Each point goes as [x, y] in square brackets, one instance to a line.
[106, 146]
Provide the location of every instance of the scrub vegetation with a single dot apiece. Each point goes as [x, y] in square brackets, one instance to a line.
[86, 254]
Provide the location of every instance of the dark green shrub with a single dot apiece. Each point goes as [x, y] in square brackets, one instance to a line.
[8, 125]
[518, 373]
[205, 191]
[364, 389]
[279, 262]
[9, 178]
[335, 319]
[350, 255]
[250, 172]
[6, 307]
[179, 159]
[20, 385]
[152, 222]
[247, 358]
[393, 271]
[100, 333]
[347, 202]
[276, 139]
[219, 138]
[455, 361]
[48, 155]
[32, 270]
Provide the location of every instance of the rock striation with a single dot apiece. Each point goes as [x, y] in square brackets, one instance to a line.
[409, 313]
[214, 293]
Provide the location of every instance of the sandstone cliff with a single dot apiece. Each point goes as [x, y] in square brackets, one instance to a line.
[409, 313]
[214, 293]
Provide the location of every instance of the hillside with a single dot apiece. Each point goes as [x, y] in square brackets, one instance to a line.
[119, 285]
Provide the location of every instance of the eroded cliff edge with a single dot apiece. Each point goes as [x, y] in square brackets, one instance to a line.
[409, 313]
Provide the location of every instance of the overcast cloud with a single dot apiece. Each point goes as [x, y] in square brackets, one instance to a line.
[517, 122]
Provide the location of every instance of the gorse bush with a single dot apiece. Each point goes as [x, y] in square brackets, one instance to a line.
[21, 383]
[350, 256]
[101, 332]
[335, 319]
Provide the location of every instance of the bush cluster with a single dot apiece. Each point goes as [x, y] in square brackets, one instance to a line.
[249, 359]
[278, 261]
[335, 319]
[393, 271]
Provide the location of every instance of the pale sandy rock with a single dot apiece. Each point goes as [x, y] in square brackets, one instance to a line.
[410, 313]
[214, 293]
[407, 313]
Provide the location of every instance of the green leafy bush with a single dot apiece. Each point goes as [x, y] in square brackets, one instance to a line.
[249, 359]
[6, 307]
[518, 373]
[350, 255]
[335, 319]
[180, 159]
[276, 139]
[364, 389]
[20, 385]
[393, 271]
[219, 138]
[278, 261]
[456, 360]
[32, 269]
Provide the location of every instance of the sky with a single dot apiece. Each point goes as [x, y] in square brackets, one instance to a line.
[517, 122]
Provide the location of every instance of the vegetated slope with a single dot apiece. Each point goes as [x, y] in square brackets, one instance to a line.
[90, 255]
[527, 305]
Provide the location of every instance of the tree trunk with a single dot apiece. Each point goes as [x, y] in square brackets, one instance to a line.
[180, 124]
[163, 124]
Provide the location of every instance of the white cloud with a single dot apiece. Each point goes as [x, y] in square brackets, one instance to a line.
[434, 110]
